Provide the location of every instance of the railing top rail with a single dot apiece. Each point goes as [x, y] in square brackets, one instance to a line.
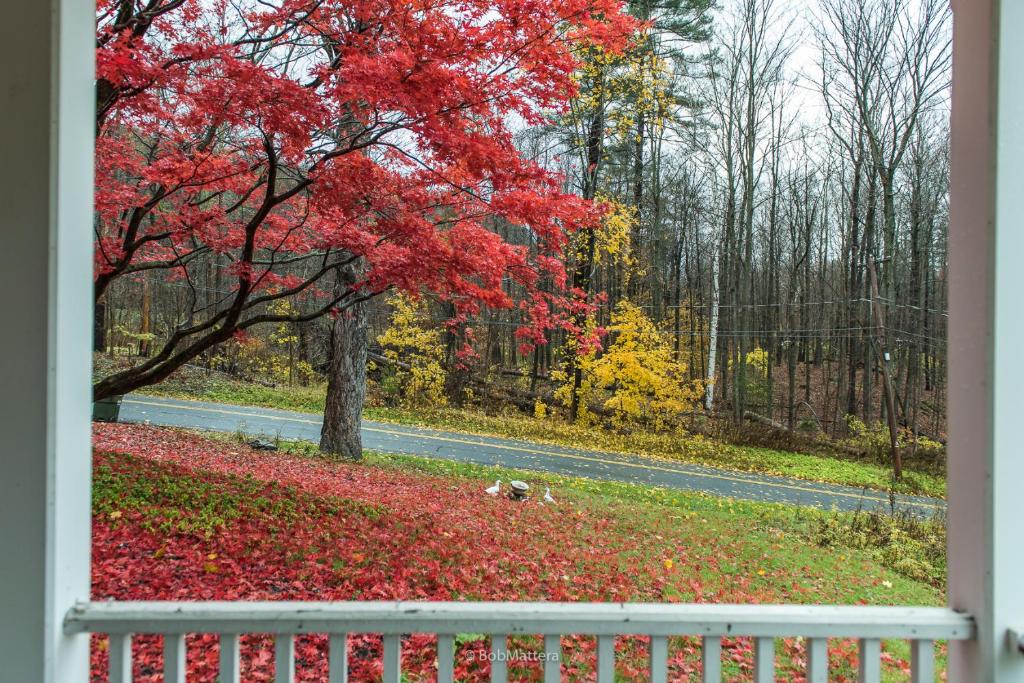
[816, 621]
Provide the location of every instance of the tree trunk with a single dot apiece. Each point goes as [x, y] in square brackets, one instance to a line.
[346, 383]
[583, 269]
[145, 315]
[99, 326]
[709, 387]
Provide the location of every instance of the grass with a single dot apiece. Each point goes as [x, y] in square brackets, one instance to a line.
[198, 384]
[611, 533]
[908, 545]
[777, 538]
[201, 385]
[168, 502]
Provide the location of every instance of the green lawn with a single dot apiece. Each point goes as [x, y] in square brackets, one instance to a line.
[397, 526]
[200, 385]
[914, 548]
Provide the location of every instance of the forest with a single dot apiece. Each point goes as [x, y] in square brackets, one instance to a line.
[690, 212]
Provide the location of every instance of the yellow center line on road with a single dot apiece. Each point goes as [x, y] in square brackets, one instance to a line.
[519, 449]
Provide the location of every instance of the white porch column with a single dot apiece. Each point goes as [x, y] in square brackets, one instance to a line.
[46, 133]
[986, 455]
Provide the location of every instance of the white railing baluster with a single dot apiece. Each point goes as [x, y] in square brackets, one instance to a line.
[817, 660]
[606, 659]
[392, 658]
[764, 660]
[174, 658]
[920, 626]
[120, 658]
[869, 669]
[659, 659]
[499, 660]
[337, 658]
[922, 661]
[552, 659]
[230, 661]
[284, 658]
[445, 658]
[711, 659]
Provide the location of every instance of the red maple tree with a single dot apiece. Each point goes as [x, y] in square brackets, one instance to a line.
[291, 139]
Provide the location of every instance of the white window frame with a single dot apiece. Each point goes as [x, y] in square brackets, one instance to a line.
[47, 113]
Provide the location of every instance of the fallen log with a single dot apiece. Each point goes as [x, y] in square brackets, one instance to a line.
[817, 441]
[524, 400]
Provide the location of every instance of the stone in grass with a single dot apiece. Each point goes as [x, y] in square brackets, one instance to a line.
[519, 489]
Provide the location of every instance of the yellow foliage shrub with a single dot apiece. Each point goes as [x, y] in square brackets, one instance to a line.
[637, 378]
[612, 243]
[272, 358]
[417, 374]
[758, 360]
[540, 409]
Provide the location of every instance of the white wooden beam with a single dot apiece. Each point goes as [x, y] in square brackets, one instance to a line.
[392, 658]
[711, 659]
[606, 659]
[546, 618]
[119, 658]
[552, 659]
[230, 659]
[986, 244]
[46, 139]
[337, 659]
[175, 658]
[764, 660]
[869, 668]
[659, 659]
[922, 661]
[445, 658]
[284, 658]
[499, 655]
[817, 660]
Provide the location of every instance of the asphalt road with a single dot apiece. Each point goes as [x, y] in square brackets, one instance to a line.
[486, 450]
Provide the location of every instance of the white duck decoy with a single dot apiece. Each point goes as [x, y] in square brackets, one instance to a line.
[547, 496]
[493, 490]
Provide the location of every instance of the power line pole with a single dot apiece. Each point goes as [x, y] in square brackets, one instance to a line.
[883, 356]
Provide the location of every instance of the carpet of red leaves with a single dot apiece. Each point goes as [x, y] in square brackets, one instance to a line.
[291, 528]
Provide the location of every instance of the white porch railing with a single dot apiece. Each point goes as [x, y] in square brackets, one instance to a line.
[920, 626]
